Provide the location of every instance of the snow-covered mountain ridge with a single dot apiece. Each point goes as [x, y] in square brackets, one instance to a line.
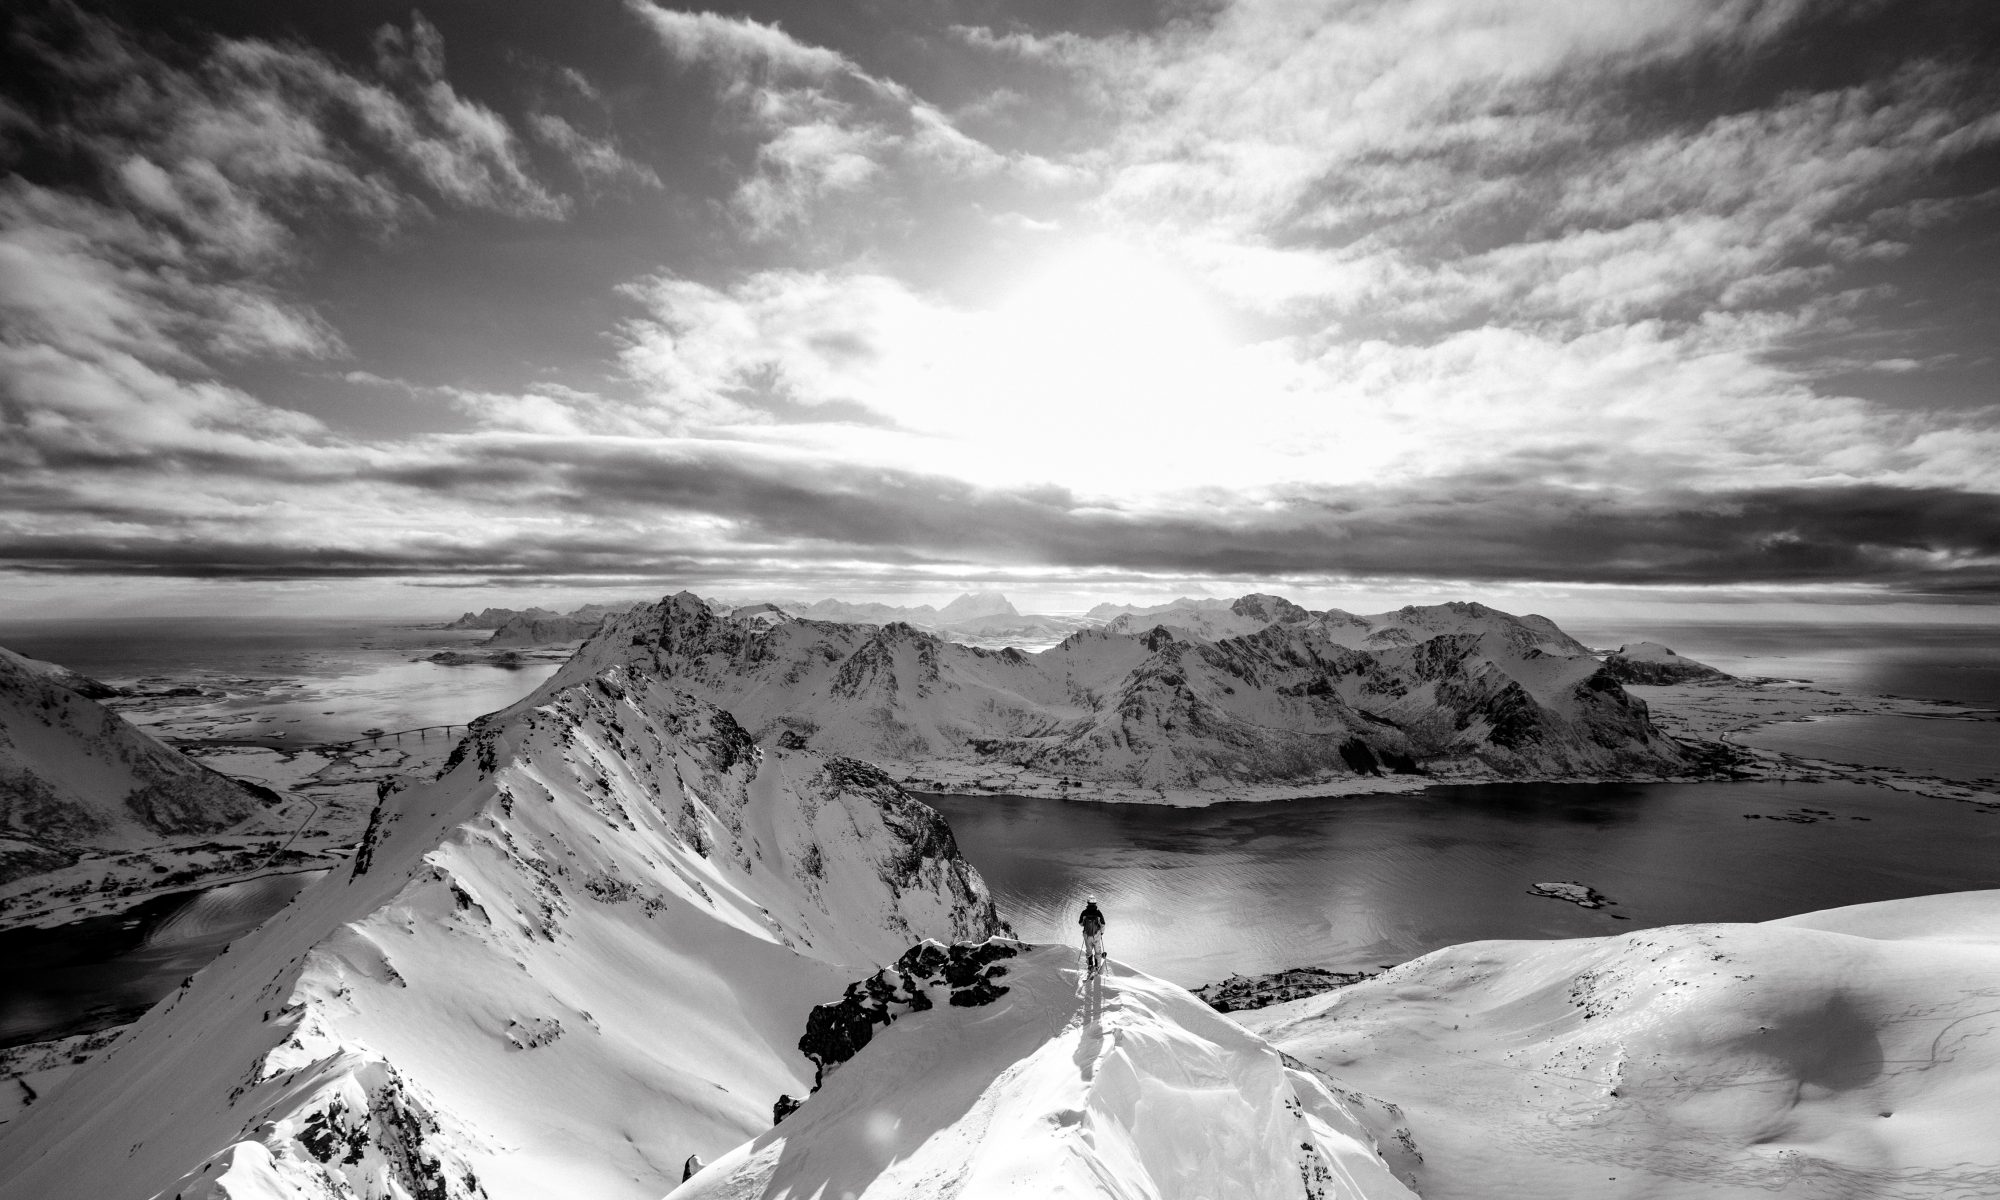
[74, 775]
[1023, 1091]
[1201, 704]
[580, 954]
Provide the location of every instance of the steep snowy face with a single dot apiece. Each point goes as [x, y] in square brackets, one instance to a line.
[1261, 693]
[1854, 1052]
[1019, 1092]
[579, 955]
[74, 774]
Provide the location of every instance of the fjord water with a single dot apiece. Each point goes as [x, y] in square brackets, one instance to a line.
[311, 680]
[106, 970]
[1955, 665]
[1356, 882]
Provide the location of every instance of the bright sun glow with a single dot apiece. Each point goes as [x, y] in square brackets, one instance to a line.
[1104, 363]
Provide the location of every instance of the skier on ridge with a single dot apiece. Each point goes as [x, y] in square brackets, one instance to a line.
[1092, 921]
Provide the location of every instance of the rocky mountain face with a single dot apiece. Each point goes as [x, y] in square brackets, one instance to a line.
[75, 775]
[494, 618]
[1652, 663]
[1264, 693]
[580, 954]
[525, 630]
[540, 626]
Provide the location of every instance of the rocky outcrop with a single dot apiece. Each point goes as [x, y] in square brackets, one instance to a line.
[1652, 663]
[1290, 698]
[964, 974]
[1240, 993]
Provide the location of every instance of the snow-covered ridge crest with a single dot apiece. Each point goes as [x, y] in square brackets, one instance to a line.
[1264, 697]
[580, 954]
[1022, 1093]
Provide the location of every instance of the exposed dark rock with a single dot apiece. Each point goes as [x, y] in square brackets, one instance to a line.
[836, 1032]
[1240, 992]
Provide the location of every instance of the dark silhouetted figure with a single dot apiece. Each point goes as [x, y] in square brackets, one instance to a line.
[1092, 921]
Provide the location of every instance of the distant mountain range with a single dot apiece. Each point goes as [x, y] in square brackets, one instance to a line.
[1191, 699]
[976, 618]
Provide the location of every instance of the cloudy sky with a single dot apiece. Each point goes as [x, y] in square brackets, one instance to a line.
[1116, 297]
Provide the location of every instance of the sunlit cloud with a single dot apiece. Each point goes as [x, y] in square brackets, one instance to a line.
[1339, 289]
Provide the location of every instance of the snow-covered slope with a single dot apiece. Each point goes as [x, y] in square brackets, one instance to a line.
[1298, 700]
[1026, 1096]
[74, 774]
[579, 955]
[1848, 1053]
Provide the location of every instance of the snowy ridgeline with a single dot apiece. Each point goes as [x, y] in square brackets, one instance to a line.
[595, 944]
[582, 953]
[1850, 1053]
[1021, 1094]
[1190, 704]
[74, 774]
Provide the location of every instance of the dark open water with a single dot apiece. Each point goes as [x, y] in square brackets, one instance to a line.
[1196, 894]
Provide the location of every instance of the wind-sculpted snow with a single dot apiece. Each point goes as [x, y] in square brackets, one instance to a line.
[74, 774]
[580, 955]
[1849, 1053]
[1021, 1094]
[1262, 695]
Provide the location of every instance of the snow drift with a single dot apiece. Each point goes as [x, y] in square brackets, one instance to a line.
[580, 954]
[1848, 1053]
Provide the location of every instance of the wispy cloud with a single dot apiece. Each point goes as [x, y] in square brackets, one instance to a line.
[823, 129]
